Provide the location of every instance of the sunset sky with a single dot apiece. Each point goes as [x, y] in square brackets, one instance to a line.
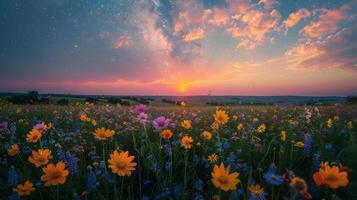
[171, 47]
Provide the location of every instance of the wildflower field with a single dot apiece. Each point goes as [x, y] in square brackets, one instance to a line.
[87, 151]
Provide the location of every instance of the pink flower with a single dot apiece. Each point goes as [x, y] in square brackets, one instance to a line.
[140, 108]
[143, 117]
[40, 127]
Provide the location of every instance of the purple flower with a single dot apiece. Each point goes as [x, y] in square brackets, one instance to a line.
[3, 126]
[140, 108]
[143, 117]
[40, 127]
[161, 123]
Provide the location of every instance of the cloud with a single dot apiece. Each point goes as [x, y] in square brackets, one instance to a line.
[219, 18]
[195, 34]
[328, 20]
[295, 17]
[253, 26]
[338, 50]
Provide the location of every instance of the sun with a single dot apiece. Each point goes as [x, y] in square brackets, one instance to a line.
[182, 89]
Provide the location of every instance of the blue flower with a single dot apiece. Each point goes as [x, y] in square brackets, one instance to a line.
[271, 177]
[307, 144]
[12, 177]
[177, 191]
[199, 184]
[256, 196]
[73, 162]
[91, 181]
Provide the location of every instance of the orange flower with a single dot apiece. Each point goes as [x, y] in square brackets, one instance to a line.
[54, 175]
[121, 163]
[34, 136]
[331, 176]
[221, 178]
[24, 189]
[207, 135]
[186, 124]
[283, 135]
[40, 157]
[166, 134]
[13, 150]
[221, 117]
[103, 134]
[187, 142]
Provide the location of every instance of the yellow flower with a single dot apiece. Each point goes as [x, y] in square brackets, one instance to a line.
[283, 135]
[40, 157]
[183, 104]
[83, 117]
[329, 123]
[207, 135]
[166, 134]
[24, 189]
[187, 142]
[336, 118]
[34, 136]
[261, 128]
[186, 124]
[235, 117]
[349, 125]
[257, 190]
[54, 175]
[299, 144]
[213, 158]
[103, 134]
[121, 163]
[298, 184]
[13, 150]
[331, 176]
[240, 126]
[221, 117]
[221, 178]
[255, 119]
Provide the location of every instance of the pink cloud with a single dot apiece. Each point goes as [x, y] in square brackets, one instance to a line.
[328, 20]
[219, 18]
[253, 26]
[336, 51]
[295, 17]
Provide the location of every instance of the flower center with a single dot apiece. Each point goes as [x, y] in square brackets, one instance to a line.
[331, 177]
[56, 174]
[273, 177]
[223, 180]
[121, 165]
[161, 123]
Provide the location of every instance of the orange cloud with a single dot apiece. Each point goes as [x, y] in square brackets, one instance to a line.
[195, 34]
[123, 41]
[296, 17]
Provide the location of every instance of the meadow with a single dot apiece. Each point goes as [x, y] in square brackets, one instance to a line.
[88, 151]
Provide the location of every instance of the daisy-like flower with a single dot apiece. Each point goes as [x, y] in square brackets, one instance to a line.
[331, 176]
[34, 136]
[187, 142]
[329, 123]
[299, 144]
[240, 126]
[222, 179]
[103, 134]
[54, 174]
[143, 117]
[13, 150]
[140, 108]
[41, 127]
[213, 158]
[93, 122]
[207, 135]
[40, 157]
[161, 123]
[256, 192]
[166, 134]
[271, 177]
[261, 128]
[121, 163]
[283, 136]
[186, 124]
[221, 117]
[24, 189]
